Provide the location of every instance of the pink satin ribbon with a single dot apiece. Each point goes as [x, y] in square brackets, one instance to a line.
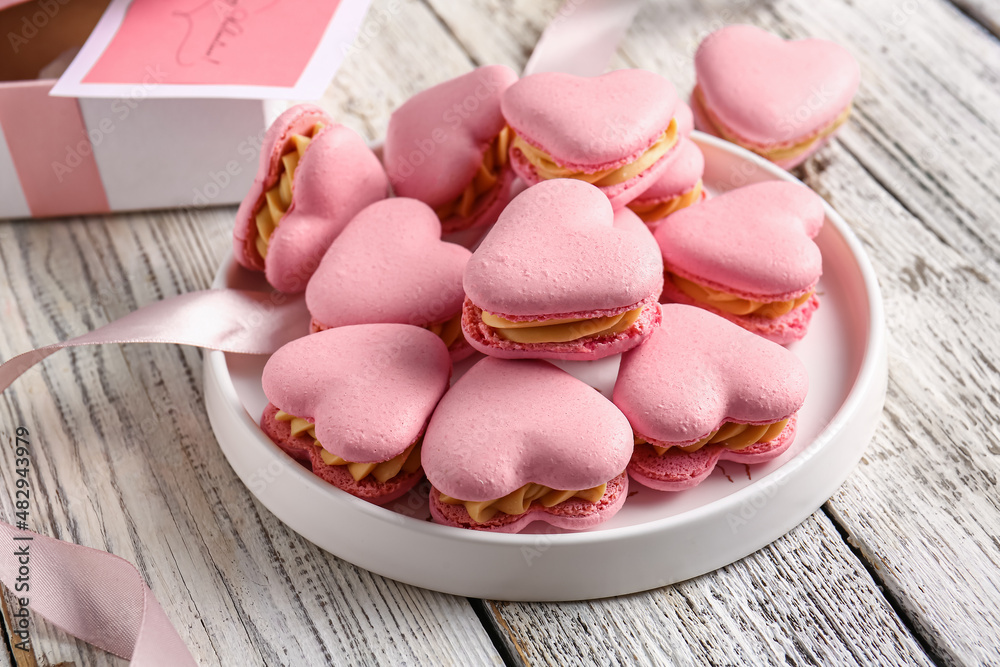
[97, 596]
[227, 320]
[102, 598]
[93, 595]
[582, 37]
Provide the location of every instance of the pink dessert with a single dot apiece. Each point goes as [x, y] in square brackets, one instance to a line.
[562, 276]
[314, 176]
[701, 390]
[518, 441]
[680, 186]
[748, 255]
[390, 265]
[780, 99]
[685, 119]
[447, 146]
[615, 131]
[351, 403]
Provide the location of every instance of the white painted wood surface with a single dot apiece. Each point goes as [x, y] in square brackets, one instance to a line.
[900, 567]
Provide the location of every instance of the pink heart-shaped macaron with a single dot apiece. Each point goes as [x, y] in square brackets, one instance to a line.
[685, 118]
[437, 140]
[767, 92]
[389, 265]
[559, 251]
[337, 176]
[505, 424]
[755, 242]
[678, 187]
[369, 389]
[591, 124]
[695, 373]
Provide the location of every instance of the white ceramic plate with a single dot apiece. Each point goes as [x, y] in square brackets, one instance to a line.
[657, 538]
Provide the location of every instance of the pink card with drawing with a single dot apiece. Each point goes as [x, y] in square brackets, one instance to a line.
[214, 48]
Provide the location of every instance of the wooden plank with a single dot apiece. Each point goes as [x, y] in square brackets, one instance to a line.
[496, 33]
[803, 600]
[923, 507]
[17, 650]
[124, 459]
[404, 50]
[983, 12]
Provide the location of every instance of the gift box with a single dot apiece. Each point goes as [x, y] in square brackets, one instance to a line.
[145, 142]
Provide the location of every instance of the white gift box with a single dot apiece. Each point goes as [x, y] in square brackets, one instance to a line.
[147, 143]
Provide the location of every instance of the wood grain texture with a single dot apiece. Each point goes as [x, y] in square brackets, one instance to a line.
[803, 600]
[984, 12]
[124, 459]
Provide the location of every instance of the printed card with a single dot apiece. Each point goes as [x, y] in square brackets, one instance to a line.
[257, 49]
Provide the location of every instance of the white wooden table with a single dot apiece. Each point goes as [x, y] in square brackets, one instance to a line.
[901, 566]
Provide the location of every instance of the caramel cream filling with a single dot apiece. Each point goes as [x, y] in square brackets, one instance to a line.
[736, 305]
[778, 153]
[449, 331]
[519, 501]
[279, 198]
[407, 462]
[546, 167]
[731, 435]
[653, 211]
[487, 178]
[561, 331]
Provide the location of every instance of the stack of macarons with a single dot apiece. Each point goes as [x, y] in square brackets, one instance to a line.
[610, 248]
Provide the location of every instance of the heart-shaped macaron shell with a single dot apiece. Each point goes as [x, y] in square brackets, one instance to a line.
[390, 265]
[694, 374]
[437, 142]
[559, 251]
[506, 424]
[685, 119]
[755, 243]
[680, 186]
[773, 96]
[586, 125]
[369, 389]
[336, 176]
